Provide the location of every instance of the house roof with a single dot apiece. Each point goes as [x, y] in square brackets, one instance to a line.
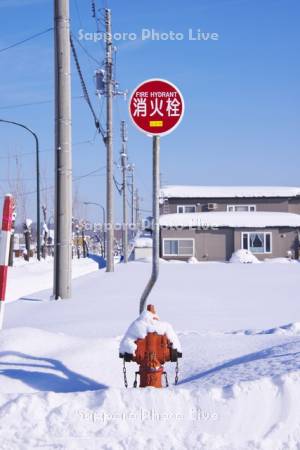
[231, 219]
[173, 191]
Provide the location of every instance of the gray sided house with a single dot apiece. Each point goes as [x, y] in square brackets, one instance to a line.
[210, 223]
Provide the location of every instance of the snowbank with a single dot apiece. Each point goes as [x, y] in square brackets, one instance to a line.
[25, 278]
[146, 323]
[73, 398]
[280, 260]
[243, 257]
[260, 415]
[291, 329]
[193, 260]
[61, 376]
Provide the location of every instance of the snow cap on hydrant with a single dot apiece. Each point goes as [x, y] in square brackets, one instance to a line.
[150, 343]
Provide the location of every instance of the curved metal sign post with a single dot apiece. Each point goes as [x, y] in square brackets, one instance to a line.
[156, 107]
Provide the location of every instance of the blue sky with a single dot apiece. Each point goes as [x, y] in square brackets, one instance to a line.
[242, 93]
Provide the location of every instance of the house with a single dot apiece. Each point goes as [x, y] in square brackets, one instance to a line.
[210, 222]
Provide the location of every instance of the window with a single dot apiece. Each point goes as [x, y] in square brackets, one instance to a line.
[178, 247]
[257, 242]
[186, 209]
[241, 208]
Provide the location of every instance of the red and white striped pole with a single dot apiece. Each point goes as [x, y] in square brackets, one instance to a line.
[4, 249]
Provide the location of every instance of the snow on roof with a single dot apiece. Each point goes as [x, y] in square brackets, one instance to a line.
[228, 191]
[231, 219]
[146, 323]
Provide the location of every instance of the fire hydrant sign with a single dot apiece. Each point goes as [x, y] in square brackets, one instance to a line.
[156, 107]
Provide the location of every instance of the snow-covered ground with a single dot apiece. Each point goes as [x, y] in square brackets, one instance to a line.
[27, 277]
[239, 326]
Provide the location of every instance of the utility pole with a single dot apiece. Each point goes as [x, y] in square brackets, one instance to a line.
[107, 85]
[124, 188]
[83, 242]
[63, 153]
[27, 238]
[137, 208]
[45, 232]
[132, 194]
[109, 145]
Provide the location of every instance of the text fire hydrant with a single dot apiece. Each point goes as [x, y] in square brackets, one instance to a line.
[152, 351]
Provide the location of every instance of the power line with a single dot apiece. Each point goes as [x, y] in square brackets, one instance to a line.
[117, 184]
[98, 19]
[75, 179]
[80, 177]
[87, 52]
[26, 40]
[20, 155]
[85, 91]
[41, 102]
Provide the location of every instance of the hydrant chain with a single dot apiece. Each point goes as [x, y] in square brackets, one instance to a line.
[166, 379]
[135, 380]
[176, 372]
[125, 374]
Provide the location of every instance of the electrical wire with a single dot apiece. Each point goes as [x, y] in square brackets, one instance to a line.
[75, 179]
[87, 52]
[20, 155]
[85, 91]
[80, 177]
[34, 36]
[91, 58]
[41, 102]
[117, 184]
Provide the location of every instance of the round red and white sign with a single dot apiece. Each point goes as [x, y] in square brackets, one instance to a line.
[156, 107]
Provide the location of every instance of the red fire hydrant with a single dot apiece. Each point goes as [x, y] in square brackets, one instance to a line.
[151, 353]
